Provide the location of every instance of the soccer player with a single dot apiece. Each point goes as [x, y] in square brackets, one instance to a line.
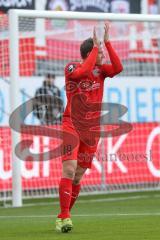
[85, 77]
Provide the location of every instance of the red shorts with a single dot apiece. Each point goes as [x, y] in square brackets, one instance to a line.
[81, 151]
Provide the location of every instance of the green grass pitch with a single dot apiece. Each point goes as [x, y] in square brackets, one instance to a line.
[132, 216]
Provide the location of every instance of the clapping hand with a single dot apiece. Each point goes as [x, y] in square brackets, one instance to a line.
[106, 32]
[95, 39]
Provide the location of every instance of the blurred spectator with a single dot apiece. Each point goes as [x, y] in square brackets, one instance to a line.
[3, 22]
[153, 7]
[120, 6]
[57, 5]
[51, 111]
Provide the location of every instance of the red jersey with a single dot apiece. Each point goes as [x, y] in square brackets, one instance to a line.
[88, 78]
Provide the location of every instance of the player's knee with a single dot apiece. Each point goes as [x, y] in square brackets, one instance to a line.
[69, 169]
[76, 181]
[69, 172]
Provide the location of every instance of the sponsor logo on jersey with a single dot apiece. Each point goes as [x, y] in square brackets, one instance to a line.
[95, 85]
[85, 85]
[88, 85]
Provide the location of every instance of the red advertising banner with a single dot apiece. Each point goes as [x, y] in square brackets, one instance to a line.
[130, 158]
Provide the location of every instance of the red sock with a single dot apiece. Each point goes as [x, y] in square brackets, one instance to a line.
[65, 191]
[75, 192]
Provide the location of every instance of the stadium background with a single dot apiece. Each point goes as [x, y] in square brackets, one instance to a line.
[132, 88]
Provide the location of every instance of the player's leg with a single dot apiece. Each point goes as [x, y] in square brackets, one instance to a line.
[85, 157]
[76, 186]
[65, 193]
[65, 187]
[69, 165]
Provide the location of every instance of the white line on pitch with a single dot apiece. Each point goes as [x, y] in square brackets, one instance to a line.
[86, 215]
[116, 199]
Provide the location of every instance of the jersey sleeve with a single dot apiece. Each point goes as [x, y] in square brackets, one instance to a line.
[110, 70]
[74, 71]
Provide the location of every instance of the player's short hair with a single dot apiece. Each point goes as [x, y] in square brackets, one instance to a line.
[86, 47]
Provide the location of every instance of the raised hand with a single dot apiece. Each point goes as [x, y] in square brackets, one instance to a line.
[106, 32]
[95, 39]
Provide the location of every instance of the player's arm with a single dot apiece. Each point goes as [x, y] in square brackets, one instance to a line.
[110, 70]
[87, 66]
